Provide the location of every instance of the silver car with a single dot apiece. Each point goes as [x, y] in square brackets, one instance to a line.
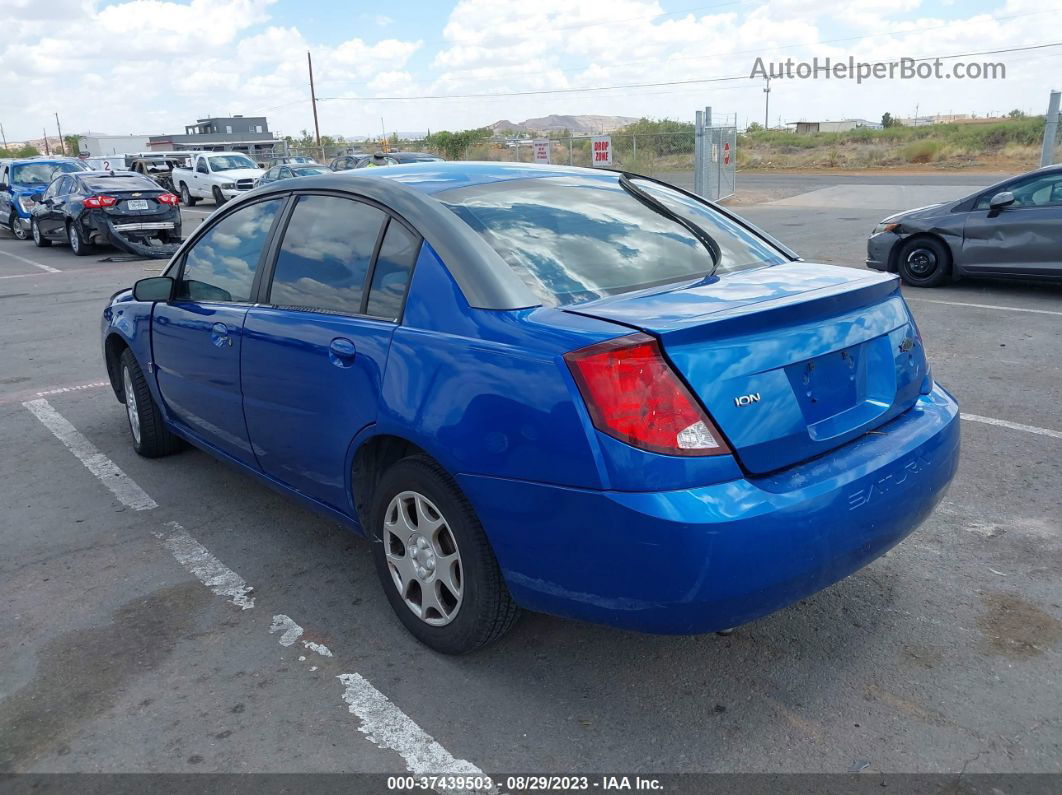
[1013, 228]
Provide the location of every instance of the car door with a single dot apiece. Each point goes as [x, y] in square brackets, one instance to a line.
[201, 177]
[316, 347]
[5, 192]
[1025, 237]
[197, 336]
[48, 215]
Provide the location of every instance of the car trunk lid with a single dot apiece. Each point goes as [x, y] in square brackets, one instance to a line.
[791, 361]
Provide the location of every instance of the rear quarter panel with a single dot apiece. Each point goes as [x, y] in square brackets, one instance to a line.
[487, 392]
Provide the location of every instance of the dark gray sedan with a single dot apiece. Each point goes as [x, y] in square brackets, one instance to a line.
[1013, 228]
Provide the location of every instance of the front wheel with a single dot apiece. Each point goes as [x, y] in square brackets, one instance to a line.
[219, 197]
[151, 437]
[435, 562]
[39, 240]
[187, 199]
[16, 227]
[923, 262]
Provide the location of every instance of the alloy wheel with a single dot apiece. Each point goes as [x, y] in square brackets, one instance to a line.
[75, 241]
[16, 228]
[130, 404]
[423, 558]
[36, 232]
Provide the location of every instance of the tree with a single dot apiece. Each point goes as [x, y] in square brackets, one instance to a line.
[1016, 114]
[453, 144]
[72, 147]
[887, 120]
[754, 127]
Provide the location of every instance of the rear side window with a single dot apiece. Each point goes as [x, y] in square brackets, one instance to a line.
[390, 278]
[325, 257]
[222, 263]
[573, 239]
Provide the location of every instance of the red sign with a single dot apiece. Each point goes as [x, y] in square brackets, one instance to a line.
[726, 153]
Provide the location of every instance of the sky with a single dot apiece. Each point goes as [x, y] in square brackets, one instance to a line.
[153, 66]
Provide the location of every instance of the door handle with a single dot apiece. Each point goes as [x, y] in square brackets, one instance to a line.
[341, 352]
[219, 335]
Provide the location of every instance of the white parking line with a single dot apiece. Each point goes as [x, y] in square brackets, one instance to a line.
[108, 473]
[1014, 426]
[46, 268]
[64, 389]
[389, 727]
[210, 571]
[984, 306]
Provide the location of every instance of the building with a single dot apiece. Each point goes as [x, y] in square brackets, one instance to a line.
[103, 145]
[248, 134]
[844, 125]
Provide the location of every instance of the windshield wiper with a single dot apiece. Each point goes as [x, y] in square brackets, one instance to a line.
[706, 240]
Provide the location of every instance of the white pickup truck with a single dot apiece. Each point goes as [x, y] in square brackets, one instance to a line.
[215, 175]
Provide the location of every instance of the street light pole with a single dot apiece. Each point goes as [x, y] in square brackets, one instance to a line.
[767, 104]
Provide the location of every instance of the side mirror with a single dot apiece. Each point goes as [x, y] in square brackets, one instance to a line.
[1001, 200]
[156, 288]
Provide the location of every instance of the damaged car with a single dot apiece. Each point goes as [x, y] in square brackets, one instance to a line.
[117, 208]
[1010, 229]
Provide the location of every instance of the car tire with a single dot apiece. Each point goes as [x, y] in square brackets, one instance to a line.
[39, 240]
[187, 198]
[219, 197]
[78, 244]
[470, 604]
[923, 262]
[151, 437]
[16, 228]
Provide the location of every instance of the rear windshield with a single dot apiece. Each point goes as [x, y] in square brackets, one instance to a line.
[115, 183]
[576, 238]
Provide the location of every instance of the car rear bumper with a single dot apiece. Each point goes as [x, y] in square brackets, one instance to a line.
[704, 559]
[879, 249]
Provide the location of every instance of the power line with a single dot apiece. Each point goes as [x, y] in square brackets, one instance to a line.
[698, 81]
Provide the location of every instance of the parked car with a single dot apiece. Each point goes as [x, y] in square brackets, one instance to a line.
[288, 172]
[160, 170]
[1013, 228]
[215, 175]
[22, 181]
[414, 157]
[348, 162]
[293, 160]
[572, 391]
[88, 208]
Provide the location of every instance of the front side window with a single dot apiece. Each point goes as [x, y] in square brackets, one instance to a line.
[53, 189]
[573, 239]
[325, 256]
[390, 277]
[222, 263]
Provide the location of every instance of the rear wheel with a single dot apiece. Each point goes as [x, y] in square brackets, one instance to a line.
[78, 244]
[187, 198]
[39, 240]
[219, 197]
[151, 437]
[15, 226]
[434, 561]
[923, 262]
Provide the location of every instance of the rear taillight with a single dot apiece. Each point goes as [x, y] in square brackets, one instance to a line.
[169, 198]
[633, 395]
[96, 202]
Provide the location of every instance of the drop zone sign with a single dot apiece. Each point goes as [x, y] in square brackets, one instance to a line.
[541, 151]
[601, 149]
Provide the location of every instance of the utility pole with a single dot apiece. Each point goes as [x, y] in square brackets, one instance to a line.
[383, 136]
[4, 136]
[767, 104]
[47, 151]
[58, 126]
[313, 101]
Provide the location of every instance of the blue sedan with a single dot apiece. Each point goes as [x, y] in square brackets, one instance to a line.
[579, 392]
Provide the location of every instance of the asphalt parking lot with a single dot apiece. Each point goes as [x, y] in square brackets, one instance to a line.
[174, 615]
